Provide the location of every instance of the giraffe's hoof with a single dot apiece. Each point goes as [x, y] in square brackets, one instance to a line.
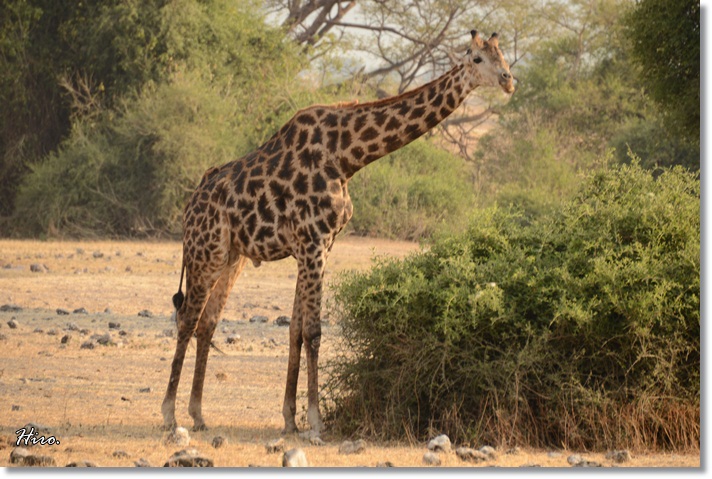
[290, 430]
[169, 427]
[200, 427]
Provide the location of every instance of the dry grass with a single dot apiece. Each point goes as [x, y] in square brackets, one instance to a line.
[91, 398]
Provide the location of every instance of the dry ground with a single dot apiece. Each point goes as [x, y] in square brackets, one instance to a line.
[91, 398]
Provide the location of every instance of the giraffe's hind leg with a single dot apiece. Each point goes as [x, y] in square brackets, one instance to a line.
[206, 328]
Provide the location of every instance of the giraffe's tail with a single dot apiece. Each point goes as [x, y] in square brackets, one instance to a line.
[179, 296]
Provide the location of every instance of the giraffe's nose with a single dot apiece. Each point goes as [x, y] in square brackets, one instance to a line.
[506, 76]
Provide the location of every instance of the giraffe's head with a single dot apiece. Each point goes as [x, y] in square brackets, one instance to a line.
[486, 64]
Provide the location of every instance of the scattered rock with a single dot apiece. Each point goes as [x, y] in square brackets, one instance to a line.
[87, 345]
[65, 339]
[52, 332]
[142, 463]
[221, 377]
[232, 339]
[179, 437]
[3, 337]
[619, 456]
[586, 463]
[355, 447]
[113, 325]
[103, 339]
[431, 459]
[38, 268]
[80, 311]
[574, 459]
[385, 464]
[489, 452]
[81, 464]
[440, 443]
[275, 445]
[12, 324]
[219, 441]
[71, 326]
[108, 310]
[259, 319]
[97, 254]
[282, 321]
[38, 330]
[188, 458]
[144, 313]
[22, 457]
[10, 308]
[295, 458]
[15, 407]
[168, 333]
[120, 454]
[145, 390]
[468, 454]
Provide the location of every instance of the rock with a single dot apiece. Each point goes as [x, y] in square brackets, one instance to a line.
[113, 325]
[468, 454]
[38, 330]
[221, 377]
[316, 441]
[586, 463]
[282, 321]
[71, 326]
[440, 443]
[97, 254]
[145, 390]
[87, 345]
[38, 268]
[12, 324]
[619, 456]
[275, 445]
[574, 459]
[179, 437]
[219, 441]
[80, 311]
[167, 333]
[489, 452]
[188, 458]
[3, 337]
[10, 308]
[295, 458]
[103, 339]
[22, 457]
[431, 459]
[144, 313]
[52, 332]
[355, 447]
[120, 454]
[81, 464]
[39, 428]
[65, 339]
[259, 319]
[232, 339]
[142, 463]
[15, 407]
[63, 312]
[385, 464]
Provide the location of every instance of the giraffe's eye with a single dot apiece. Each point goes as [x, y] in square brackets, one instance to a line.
[477, 60]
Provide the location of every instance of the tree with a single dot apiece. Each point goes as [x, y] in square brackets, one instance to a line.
[665, 37]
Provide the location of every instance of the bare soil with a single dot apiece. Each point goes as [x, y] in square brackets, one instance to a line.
[101, 400]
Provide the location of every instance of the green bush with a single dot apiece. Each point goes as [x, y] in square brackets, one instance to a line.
[411, 193]
[578, 328]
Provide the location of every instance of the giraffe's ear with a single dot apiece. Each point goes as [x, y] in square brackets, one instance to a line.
[476, 39]
[493, 40]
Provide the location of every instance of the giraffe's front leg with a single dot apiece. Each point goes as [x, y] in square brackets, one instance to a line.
[289, 409]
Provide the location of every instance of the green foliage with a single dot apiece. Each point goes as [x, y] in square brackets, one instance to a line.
[665, 38]
[578, 328]
[128, 170]
[411, 193]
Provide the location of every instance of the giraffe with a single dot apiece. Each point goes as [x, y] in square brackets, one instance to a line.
[290, 198]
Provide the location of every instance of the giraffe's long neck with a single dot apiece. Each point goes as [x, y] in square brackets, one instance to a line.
[372, 130]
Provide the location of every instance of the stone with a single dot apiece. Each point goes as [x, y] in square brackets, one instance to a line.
[52, 332]
[80, 311]
[145, 390]
[219, 441]
[72, 326]
[275, 445]
[16, 407]
[22, 457]
[113, 325]
[10, 308]
[586, 463]
[619, 456]
[38, 268]
[355, 447]
[38, 330]
[103, 339]
[65, 339]
[12, 324]
[144, 313]
[431, 459]
[440, 443]
[179, 437]
[259, 319]
[3, 337]
[232, 339]
[188, 458]
[489, 451]
[120, 454]
[574, 459]
[143, 462]
[97, 254]
[81, 464]
[468, 454]
[295, 458]
[87, 345]
[282, 321]
[385, 464]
